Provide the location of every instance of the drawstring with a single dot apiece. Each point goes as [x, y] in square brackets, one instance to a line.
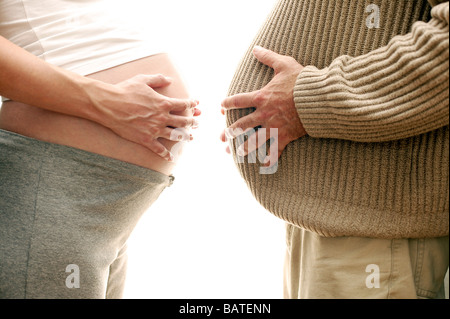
[171, 180]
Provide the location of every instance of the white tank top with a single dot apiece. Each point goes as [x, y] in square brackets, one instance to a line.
[83, 36]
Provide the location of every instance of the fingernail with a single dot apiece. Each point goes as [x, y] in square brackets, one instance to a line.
[240, 151]
[257, 48]
[196, 124]
[229, 133]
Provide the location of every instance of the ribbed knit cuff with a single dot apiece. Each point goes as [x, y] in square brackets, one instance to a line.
[395, 92]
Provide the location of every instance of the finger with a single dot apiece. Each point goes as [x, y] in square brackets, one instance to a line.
[274, 154]
[155, 81]
[176, 135]
[197, 112]
[223, 137]
[161, 150]
[178, 121]
[231, 133]
[268, 57]
[243, 126]
[239, 101]
[181, 105]
[243, 149]
[254, 142]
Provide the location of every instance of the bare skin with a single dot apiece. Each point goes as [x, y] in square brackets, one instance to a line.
[102, 136]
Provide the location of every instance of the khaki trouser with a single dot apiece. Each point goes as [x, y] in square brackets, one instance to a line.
[363, 268]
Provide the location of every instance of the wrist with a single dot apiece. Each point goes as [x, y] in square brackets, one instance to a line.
[95, 93]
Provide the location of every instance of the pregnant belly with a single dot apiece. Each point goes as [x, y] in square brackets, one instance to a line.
[89, 136]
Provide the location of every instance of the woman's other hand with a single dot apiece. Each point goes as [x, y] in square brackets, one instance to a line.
[136, 112]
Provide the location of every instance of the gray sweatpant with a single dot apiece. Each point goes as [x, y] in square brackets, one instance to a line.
[65, 218]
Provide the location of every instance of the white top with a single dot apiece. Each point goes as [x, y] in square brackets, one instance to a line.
[83, 36]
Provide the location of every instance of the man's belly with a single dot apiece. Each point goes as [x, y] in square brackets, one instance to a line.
[92, 137]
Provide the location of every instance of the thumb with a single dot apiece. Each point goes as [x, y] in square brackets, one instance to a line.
[156, 81]
[268, 57]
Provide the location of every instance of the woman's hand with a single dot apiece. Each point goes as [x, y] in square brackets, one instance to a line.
[132, 109]
[136, 112]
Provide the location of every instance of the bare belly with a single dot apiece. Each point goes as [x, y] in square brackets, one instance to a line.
[92, 137]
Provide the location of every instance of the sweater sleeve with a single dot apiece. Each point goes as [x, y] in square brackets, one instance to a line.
[395, 92]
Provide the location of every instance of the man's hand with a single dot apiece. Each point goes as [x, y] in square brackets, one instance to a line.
[139, 114]
[274, 104]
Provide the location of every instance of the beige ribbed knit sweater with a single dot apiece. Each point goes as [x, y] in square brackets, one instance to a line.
[375, 104]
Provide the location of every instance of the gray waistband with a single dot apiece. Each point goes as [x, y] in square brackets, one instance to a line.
[32, 148]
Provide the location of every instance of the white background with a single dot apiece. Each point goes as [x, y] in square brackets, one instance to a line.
[206, 237]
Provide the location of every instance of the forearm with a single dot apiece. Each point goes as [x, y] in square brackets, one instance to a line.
[395, 92]
[28, 79]
[132, 109]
